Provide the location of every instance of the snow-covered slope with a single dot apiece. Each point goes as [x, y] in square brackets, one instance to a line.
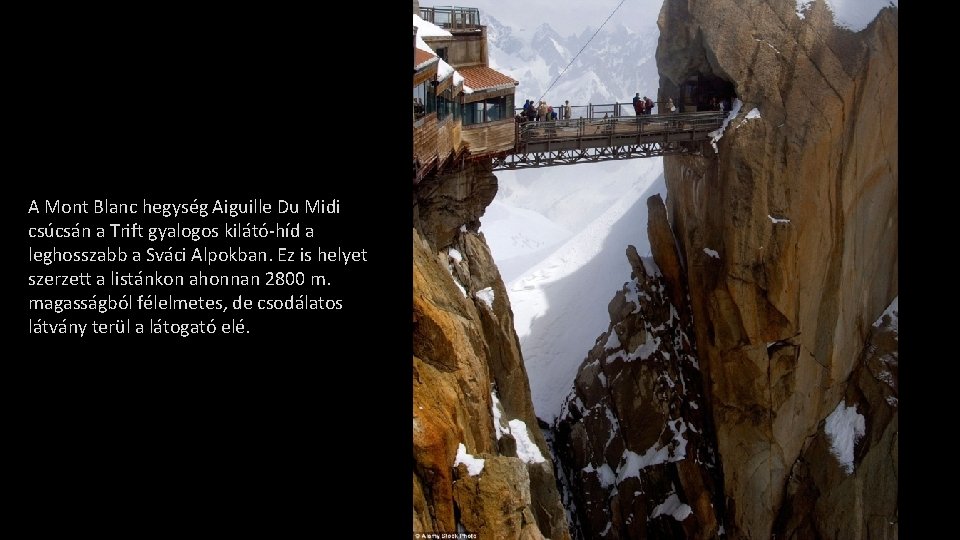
[558, 234]
[560, 302]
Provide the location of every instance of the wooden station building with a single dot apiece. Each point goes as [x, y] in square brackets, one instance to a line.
[463, 109]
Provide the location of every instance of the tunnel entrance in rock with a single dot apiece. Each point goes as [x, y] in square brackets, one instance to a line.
[705, 93]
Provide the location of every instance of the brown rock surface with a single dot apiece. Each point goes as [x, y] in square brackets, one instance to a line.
[822, 496]
[466, 355]
[496, 503]
[637, 448]
[801, 207]
[445, 202]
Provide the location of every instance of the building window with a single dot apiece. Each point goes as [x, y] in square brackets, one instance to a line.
[472, 113]
[419, 101]
[423, 95]
[442, 53]
[444, 104]
[488, 110]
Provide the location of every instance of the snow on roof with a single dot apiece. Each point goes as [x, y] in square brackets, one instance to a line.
[428, 29]
[485, 78]
[422, 45]
[444, 70]
[421, 58]
[425, 28]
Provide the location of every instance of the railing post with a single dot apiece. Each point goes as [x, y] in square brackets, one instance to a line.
[516, 136]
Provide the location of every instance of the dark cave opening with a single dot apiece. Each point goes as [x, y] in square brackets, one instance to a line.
[701, 92]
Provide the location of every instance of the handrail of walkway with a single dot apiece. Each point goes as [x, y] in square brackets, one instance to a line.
[598, 110]
[579, 128]
[452, 17]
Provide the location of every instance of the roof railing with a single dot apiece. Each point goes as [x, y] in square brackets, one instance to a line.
[452, 17]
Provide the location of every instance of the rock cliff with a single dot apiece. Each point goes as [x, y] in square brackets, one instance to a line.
[789, 238]
[480, 460]
[846, 476]
[747, 384]
[638, 451]
[776, 252]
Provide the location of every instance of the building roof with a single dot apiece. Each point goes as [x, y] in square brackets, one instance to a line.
[428, 29]
[421, 58]
[481, 78]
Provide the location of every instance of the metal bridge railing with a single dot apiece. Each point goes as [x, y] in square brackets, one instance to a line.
[581, 128]
[452, 17]
[598, 110]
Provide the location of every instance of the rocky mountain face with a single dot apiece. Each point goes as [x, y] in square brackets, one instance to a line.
[789, 241]
[635, 440]
[779, 252]
[859, 498]
[747, 384]
[480, 461]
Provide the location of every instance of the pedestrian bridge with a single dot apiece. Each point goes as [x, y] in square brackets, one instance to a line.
[445, 142]
[591, 140]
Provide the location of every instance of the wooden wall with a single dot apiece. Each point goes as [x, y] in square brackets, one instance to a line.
[425, 139]
[445, 138]
[490, 137]
[468, 50]
[436, 141]
[464, 48]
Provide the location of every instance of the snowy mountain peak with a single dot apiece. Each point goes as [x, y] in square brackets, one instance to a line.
[544, 31]
[616, 64]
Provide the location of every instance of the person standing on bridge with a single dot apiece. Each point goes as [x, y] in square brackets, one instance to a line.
[638, 104]
[566, 110]
[648, 105]
[542, 112]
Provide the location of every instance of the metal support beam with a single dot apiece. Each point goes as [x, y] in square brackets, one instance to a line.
[550, 158]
